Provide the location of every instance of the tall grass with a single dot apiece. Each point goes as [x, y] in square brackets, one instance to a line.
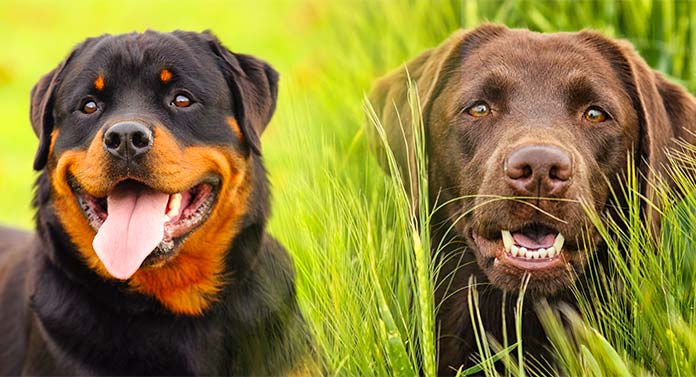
[360, 277]
[638, 317]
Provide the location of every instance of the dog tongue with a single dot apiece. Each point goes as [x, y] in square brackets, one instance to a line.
[534, 241]
[133, 228]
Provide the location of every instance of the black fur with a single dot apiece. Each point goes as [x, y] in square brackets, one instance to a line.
[58, 317]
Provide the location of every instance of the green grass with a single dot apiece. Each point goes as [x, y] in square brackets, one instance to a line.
[364, 274]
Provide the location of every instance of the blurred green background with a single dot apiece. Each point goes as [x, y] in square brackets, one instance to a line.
[333, 208]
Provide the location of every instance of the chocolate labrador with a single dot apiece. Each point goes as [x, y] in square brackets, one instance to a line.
[550, 119]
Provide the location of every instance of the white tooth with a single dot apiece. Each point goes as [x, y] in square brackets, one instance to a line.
[558, 243]
[507, 239]
[174, 205]
[542, 252]
[523, 252]
[552, 251]
[514, 250]
[535, 255]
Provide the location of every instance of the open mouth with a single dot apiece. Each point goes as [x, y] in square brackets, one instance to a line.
[531, 248]
[533, 242]
[139, 226]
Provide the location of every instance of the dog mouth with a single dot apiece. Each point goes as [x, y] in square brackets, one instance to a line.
[534, 245]
[535, 249]
[138, 226]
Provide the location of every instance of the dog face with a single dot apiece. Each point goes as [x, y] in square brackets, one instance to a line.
[148, 141]
[548, 120]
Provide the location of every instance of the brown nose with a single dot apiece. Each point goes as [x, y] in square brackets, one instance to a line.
[543, 170]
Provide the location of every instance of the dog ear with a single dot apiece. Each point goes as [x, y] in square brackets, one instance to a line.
[41, 111]
[666, 113]
[254, 86]
[390, 98]
[42, 101]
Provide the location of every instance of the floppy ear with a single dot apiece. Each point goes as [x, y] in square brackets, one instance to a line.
[254, 86]
[42, 101]
[666, 112]
[41, 111]
[389, 98]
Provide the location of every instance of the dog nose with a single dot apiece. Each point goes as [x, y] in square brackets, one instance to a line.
[542, 170]
[128, 139]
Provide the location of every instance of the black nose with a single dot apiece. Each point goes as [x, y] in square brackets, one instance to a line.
[127, 139]
[543, 170]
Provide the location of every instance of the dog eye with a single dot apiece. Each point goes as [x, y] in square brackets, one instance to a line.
[479, 109]
[595, 115]
[89, 107]
[181, 101]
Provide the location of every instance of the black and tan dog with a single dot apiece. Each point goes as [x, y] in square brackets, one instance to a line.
[547, 118]
[150, 255]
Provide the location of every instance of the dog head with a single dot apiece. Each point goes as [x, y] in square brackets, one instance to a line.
[548, 119]
[150, 142]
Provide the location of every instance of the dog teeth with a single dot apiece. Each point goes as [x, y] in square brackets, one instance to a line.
[174, 205]
[523, 252]
[508, 242]
[558, 243]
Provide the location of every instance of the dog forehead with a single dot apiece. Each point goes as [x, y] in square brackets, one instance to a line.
[535, 65]
[126, 56]
[522, 53]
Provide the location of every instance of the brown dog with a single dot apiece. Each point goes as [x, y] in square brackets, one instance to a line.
[511, 113]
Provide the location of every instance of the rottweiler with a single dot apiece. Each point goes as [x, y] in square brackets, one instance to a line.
[551, 120]
[150, 255]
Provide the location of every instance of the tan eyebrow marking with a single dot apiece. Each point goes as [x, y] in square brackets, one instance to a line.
[165, 75]
[99, 83]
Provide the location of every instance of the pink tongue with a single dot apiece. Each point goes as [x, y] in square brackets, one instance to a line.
[534, 243]
[133, 228]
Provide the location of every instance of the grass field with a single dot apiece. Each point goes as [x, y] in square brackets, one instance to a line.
[360, 259]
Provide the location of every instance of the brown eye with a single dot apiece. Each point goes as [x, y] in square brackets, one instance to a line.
[89, 107]
[595, 115]
[181, 101]
[479, 109]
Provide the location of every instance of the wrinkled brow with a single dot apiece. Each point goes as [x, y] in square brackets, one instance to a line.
[496, 86]
[579, 91]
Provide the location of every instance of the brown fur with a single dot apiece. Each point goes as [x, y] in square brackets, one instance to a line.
[165, 75]
[99, 83]
[538, 87]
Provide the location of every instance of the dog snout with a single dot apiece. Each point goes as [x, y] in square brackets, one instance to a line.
[128, 139]
[543, 170]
